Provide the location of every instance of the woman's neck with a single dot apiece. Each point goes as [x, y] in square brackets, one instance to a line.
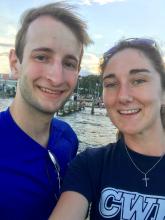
[147, 144]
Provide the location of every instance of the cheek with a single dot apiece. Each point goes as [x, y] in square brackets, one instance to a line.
[31, 71]
[37, 71]
[72, 80]
[150, 97]
[108, 99]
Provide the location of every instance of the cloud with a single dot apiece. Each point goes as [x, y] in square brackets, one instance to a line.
[121, 32]
[8, 32]
[4, 64]
[4, 54]
[85, 2]
[4, 67]
[6, 45]
[101, 2]
[97, 36]
[90, 63]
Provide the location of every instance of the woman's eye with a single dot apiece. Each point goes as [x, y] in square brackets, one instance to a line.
[110, 84]
[138, 81]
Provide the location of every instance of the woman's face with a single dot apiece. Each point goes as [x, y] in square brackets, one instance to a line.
[132, 92]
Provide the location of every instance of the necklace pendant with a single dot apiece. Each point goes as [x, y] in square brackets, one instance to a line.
[146, 179]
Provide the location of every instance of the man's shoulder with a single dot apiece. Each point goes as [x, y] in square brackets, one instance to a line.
[62, 130]
[63, 142]
[58, 123]
[4, 115]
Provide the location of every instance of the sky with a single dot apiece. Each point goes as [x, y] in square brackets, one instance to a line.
[108, 21]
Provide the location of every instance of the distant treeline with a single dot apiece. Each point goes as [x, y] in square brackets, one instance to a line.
[89, 85]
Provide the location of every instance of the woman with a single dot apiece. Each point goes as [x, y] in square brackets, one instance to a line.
[124, 180]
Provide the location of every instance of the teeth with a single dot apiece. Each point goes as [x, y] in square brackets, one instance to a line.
[130, 111]
[48, 90]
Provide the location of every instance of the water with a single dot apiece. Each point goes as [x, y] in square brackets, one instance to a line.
[4, 103]
[92, 130]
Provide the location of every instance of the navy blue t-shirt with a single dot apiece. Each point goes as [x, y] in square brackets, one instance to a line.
[107, 178]
[28, 179]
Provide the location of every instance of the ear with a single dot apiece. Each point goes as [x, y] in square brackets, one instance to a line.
[14, 63]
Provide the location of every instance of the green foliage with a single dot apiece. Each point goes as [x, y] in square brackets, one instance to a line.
[90, 85]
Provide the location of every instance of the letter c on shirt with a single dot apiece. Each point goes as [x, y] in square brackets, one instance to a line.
[110, 202]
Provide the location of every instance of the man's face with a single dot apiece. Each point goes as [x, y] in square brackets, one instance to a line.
[49, 70]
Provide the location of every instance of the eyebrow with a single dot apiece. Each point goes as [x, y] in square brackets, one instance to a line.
[135, 71]
[72, 57]
[45, 49]
[132, 72]
[109, 75]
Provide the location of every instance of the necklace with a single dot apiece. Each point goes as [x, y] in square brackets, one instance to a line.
[145, 178]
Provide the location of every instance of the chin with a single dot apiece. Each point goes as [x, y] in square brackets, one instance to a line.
[131, 132]
[48, 108]
[125, 130]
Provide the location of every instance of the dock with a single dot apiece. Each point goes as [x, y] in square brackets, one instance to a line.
[70, 107]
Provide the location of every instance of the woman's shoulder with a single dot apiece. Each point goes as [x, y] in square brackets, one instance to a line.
[98, 153]
[99, 150]
[102, 150]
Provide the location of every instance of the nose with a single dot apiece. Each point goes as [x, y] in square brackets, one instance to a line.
[124, 94]
[55, 73]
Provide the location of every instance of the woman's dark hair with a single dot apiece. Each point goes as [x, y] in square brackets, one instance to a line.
[148, 46]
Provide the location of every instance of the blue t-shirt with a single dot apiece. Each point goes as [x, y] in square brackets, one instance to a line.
[28, 179]
[107, 178]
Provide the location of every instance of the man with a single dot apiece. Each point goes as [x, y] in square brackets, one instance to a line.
[35, 147]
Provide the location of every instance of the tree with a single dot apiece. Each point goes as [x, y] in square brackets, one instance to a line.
[90, 85]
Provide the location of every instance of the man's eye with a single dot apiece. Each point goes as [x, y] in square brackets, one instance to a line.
[71, 65]
[41, 58]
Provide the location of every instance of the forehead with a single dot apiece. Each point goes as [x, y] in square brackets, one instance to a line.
[128, 58]
[49, 32]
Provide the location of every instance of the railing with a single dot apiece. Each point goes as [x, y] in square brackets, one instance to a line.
[70, 107]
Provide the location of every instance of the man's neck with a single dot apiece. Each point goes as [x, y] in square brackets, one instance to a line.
[32, 122]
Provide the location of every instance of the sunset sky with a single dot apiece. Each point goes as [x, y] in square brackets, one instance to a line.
[108, 21]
